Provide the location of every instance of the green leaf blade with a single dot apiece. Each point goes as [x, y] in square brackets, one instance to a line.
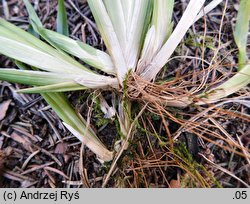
[59, 87]
[232, 85]
[76, 125]
[32, 14]
[35, 78]
[242, 30]
[110, 38]
[61, 20]
[169, 47]
[88, 54]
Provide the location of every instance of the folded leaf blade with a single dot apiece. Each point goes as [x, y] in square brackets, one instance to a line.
[242, 31]
[59, 87]
[88, 54]
[61, 20]
[20, 45]
[72, 81]
[109, 36]
[136, 31]
[36, 78]
[161, 26]
[232, 85]
[169, 47]
[115, 11]
[76, 125]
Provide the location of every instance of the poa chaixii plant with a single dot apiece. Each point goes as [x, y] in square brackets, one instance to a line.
[140, 39]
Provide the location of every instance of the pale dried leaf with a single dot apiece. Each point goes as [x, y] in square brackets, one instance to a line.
[4, 106]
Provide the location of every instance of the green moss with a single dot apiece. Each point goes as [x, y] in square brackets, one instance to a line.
[98, 114]
[208, 41]
[198, 170]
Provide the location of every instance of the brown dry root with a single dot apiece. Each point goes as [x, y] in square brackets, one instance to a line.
[171, 93]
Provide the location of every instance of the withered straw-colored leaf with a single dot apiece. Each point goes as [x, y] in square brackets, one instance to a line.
[4, 106]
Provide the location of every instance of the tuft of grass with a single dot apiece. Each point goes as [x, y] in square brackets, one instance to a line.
[140, 39]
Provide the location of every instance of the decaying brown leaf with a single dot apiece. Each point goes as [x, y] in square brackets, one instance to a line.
[175, 184]
[3, 154]
[3, 108]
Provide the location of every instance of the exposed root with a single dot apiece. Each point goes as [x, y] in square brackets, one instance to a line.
[170, 93]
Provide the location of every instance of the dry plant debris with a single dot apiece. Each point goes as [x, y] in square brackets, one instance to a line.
[217, 137]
